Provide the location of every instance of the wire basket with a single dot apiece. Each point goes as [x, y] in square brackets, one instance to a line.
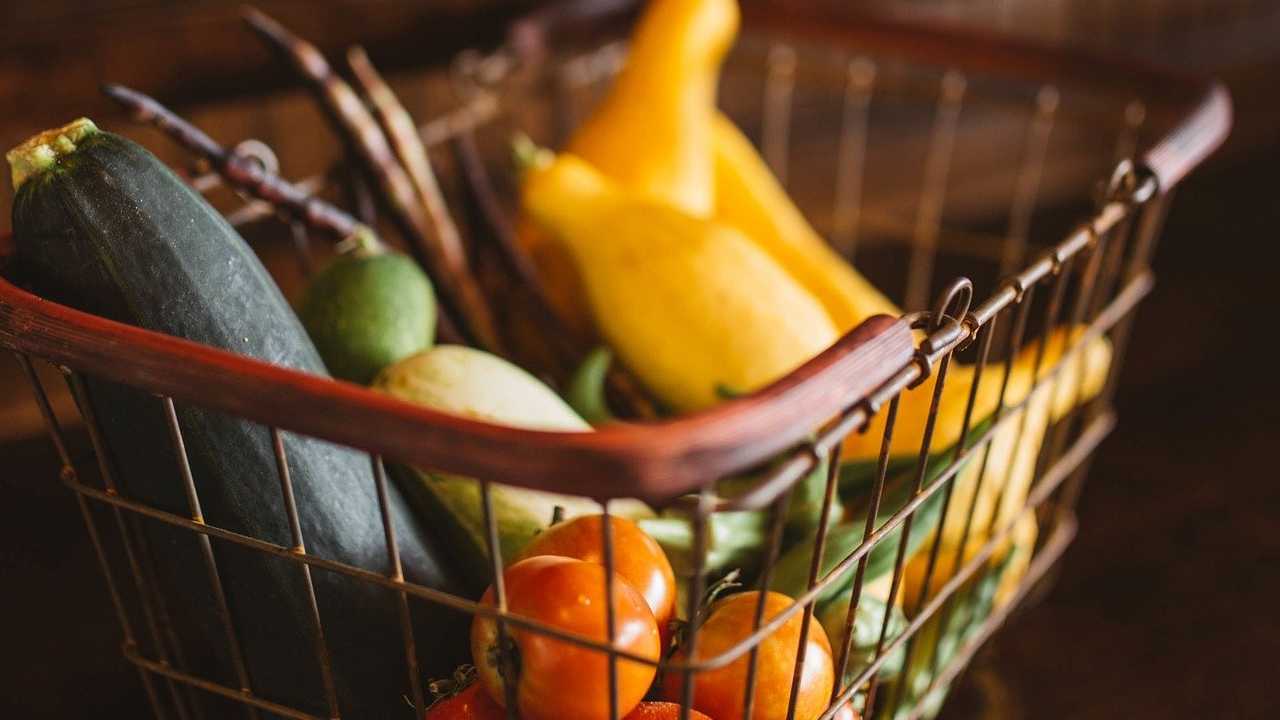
[895, 140]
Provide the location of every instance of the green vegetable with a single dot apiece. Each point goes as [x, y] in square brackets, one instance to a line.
[857, 478]
[586, 392]
[453, 503]
[475, 384]
[867, 623]
[102, 225]
[791, 575]
[735, 540]
[367, 309]
[934, 648]
[804, 513]
[804, 508]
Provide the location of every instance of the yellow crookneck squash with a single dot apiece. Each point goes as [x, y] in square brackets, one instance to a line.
[658, 133]
[652, 132]
[693, 308]
[1083, 376]
[1002, 482]
[750, 198]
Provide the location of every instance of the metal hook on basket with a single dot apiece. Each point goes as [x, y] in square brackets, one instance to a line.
[954, 302]
[204, 179]
[1131, 183]
[944, 325]
[258, 152]
[948, 313]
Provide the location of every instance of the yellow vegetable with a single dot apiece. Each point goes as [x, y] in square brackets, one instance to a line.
[652, 132]
[473, 384]
[692, 307]
[1087, 370]
[749, 198]
[1010, 462]
[558, 275]
[1021, 542]
[1024, 546]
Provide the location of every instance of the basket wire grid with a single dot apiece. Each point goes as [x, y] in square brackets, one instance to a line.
[1093, 277]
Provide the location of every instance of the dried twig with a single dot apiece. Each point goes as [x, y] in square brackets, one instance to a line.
[442, 253]
[258, 209]
[249, 176]
[406, 142]
[358, 191]
[239, 171]
[403, 135]
[488, 217]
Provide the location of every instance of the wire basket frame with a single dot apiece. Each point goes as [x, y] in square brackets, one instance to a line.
[1092, 279]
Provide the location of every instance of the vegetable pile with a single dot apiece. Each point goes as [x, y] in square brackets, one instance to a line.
[683, 256]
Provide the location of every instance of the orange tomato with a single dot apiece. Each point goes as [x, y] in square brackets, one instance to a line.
[661, 711]
[555, 679]
[472, 703]
[636, 557]
[719, 693]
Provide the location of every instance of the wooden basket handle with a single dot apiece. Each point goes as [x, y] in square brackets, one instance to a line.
[653, 461]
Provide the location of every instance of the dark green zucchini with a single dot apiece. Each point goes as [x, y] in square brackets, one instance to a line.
[102, 225]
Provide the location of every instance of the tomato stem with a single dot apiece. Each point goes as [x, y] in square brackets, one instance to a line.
[445, 688]
[507, 661]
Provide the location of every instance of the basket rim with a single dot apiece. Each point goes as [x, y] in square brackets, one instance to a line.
[653, 461]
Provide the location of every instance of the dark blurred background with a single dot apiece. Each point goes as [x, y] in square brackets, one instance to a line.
[1164, 607]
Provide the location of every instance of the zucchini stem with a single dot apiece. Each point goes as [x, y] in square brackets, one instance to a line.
[43, 150]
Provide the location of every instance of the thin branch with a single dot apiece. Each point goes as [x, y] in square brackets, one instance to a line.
[240, 172]
[486, 209]
[293, 201]
[443, 254]
[400, 130]
[406, 142]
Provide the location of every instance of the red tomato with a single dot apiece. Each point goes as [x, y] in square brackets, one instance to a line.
[473, 703]
[661, 711]
[557, 680]
[719, 693]
[636, 557]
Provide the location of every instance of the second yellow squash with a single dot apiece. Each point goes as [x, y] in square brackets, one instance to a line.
[652, 132]
[750, 198]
